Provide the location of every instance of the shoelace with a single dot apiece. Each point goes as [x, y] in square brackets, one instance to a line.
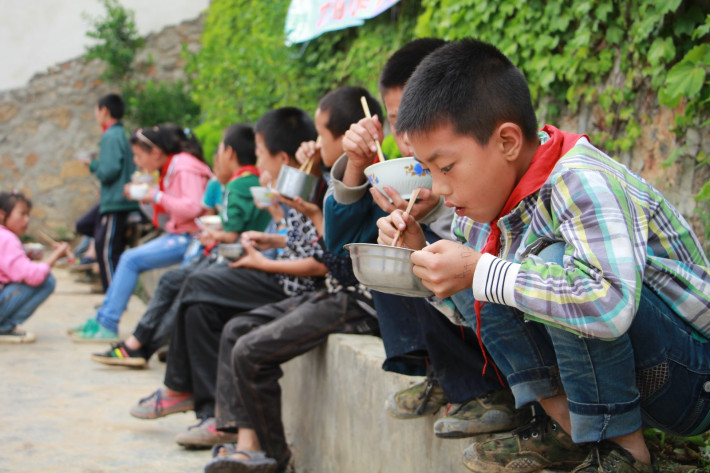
[425, 395]
[157, 405]
[602, 457]
[538, 426]
[199, 424]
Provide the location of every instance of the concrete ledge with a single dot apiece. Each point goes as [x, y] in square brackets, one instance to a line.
[333, 409]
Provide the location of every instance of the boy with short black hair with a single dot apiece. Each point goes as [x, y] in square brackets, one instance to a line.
[113, 167]
[418, 338]
[596, 290]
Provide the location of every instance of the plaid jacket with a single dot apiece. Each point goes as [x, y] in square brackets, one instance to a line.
[619, 233]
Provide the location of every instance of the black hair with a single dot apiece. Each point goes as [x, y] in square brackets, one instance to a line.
[470, 85]
[285, 128]
[169, 138]
[114, 104]
[401, 65]
[240, 138]
[345, 108]
[8, 201]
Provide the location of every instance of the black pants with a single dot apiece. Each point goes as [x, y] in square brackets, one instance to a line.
[86, 224]
[256, 343]
[110, 241]
[158, 322]
[454, 355]
[209, 299]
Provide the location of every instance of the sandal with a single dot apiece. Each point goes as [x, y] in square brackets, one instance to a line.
[256, 462]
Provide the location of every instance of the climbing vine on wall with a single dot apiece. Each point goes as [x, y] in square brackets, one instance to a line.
[623, 57]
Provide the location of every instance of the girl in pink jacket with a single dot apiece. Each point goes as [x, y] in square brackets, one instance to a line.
[24, 284]
[176, 201]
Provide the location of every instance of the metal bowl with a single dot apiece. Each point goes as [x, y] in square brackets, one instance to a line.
[231, 251]
[293, 183]
[386, 269]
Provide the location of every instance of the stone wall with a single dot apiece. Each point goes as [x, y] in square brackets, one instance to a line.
[45, 125]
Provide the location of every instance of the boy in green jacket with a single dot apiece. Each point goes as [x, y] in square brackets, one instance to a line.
[113, 168]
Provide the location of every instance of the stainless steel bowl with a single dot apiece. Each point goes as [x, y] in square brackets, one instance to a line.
[293, 183]
[386, 269]
[231, 251]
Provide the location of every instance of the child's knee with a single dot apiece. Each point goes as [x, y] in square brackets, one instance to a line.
[553, 253]
[50, 283]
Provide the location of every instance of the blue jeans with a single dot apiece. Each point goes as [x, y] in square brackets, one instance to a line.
[655, 375]
[18, 301]
[163, 251]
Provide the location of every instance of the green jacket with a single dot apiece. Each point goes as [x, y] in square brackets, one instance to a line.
[113, 168]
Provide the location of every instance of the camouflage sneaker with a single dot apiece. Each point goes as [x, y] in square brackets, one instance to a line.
[609, 456]
[540, 444]
[420, 400]
[493, 412]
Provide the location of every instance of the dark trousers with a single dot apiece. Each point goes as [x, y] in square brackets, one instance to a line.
[453, 352]
[405, 350]
[158, 322]
[86, 224]
[255, 344]
[210, 298]
[110, 241]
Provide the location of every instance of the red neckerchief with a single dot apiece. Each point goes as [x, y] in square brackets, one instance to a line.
[106, 127]
[248, 169]
[157, 208]
[541, 165]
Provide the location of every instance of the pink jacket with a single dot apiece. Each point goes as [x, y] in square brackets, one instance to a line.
[184, 185]
[15, 266]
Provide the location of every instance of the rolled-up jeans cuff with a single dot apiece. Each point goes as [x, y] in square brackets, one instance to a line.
[597, 427]
[534, 385]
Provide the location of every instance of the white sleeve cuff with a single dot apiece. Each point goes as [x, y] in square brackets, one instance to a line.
[494, 280]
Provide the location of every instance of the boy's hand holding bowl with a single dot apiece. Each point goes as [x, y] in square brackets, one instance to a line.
[252, 257]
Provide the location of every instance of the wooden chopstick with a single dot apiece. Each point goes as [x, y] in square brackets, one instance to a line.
[308, 163]
[366, 109]
[50, 240]
[412, 199]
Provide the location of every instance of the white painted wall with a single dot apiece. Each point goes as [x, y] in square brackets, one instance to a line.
[36, 34]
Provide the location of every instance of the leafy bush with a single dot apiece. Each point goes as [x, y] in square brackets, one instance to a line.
[147, 102]
[118, 40]
[622, 57]
[150, 102]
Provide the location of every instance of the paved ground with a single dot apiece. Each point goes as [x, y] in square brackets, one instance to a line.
[61, 412]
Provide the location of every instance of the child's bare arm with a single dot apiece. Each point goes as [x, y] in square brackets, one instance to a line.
[59, 251]
[263, 241]
[300, 267]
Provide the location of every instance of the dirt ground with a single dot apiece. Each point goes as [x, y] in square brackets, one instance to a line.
[62, 412]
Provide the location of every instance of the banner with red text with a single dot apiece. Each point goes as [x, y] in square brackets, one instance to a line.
[308, 19]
